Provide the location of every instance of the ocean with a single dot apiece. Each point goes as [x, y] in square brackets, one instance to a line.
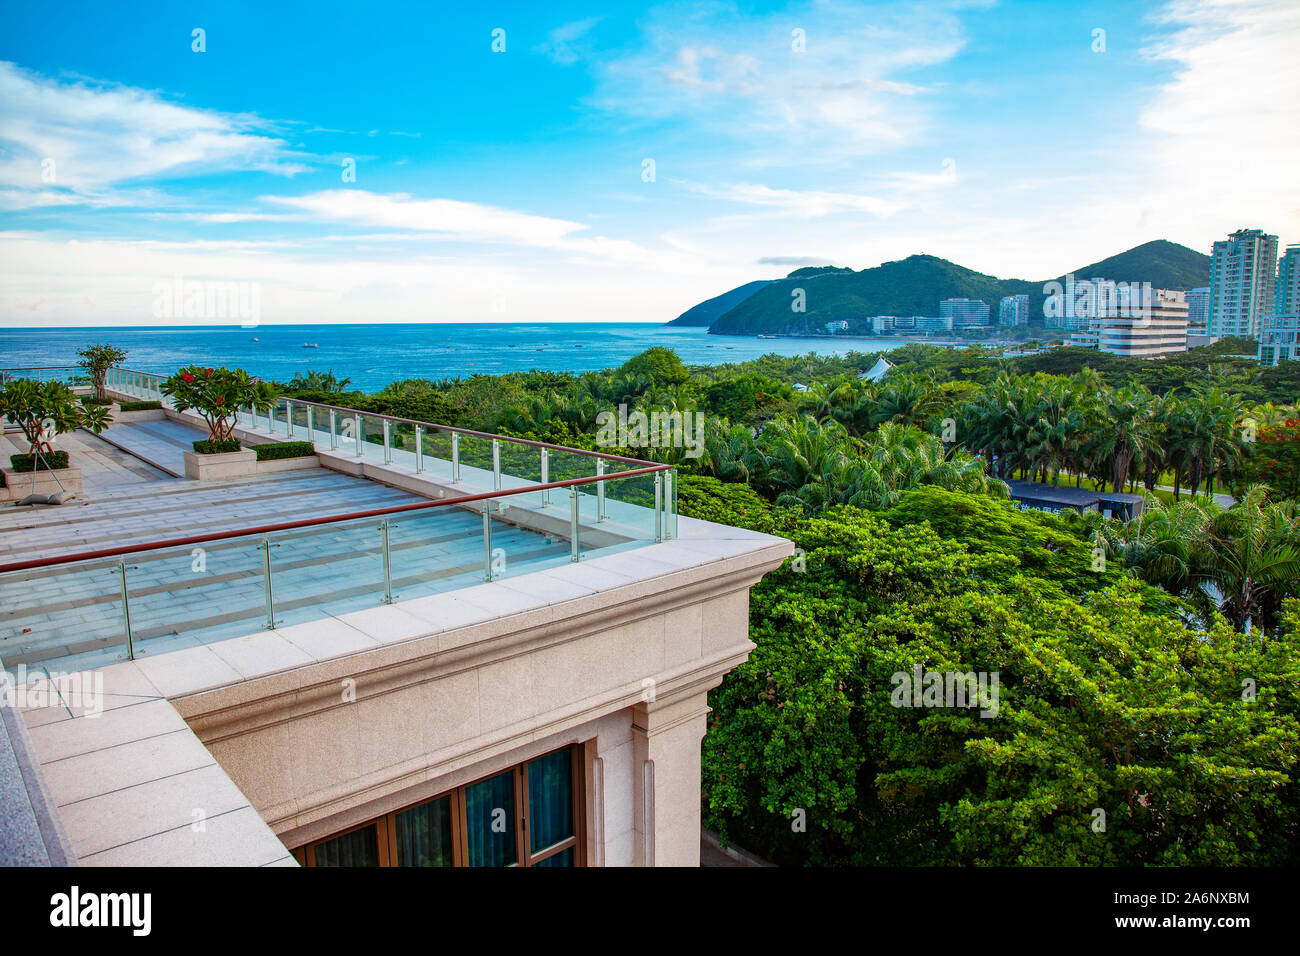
[375, 355]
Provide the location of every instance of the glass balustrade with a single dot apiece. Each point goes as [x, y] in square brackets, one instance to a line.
[91, 613]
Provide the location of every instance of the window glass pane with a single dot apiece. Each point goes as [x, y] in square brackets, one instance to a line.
[358, 848]
[490, 821]
[424, 834]
[550, 800]
[563, 858]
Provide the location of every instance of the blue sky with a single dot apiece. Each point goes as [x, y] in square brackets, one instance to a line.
[512, 185]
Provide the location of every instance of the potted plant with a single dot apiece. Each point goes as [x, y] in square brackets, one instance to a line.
[44, 410]
[216, 395]
[97, 360]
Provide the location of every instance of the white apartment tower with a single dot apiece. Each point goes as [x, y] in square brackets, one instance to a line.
[1286, 299]
[1243, 277]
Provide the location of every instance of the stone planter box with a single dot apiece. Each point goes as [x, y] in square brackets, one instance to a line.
[18, 484]
[241, 464]
[230, 464]
[287, 464]
[147, 415]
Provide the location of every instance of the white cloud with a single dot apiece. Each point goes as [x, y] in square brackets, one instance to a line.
[1224, 134]
[741, 77]
[454, 220]
[804, 203]
[567, 44]
[64, 142]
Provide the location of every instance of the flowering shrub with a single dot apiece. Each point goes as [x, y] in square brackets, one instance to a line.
[216, 394]
[46, 409]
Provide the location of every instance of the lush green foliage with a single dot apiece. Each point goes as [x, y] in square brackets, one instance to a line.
[216, 446]
[139, 406]
[49, 460]
[272, 451]
[217, 394]
[1106, 703]
[97, 360]
[43, 410]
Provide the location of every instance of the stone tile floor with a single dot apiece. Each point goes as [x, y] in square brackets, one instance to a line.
[71, 617]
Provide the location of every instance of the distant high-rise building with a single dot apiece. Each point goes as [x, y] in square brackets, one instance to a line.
[964, 312]
[1013, 310]
[1243, 280]
[1198, 311]
[1279, 339]
[1286, 298]
[1151, 326]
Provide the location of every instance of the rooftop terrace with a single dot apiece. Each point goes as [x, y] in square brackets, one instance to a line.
[147, 561]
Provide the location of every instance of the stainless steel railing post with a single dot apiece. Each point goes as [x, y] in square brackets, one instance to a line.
[388, 564]
[419, 449]
[266, 577]
[600, 490]
[487, 541]
[575, 551]
[126, 610]
[455, 457]
[546, 470]
[659, 506]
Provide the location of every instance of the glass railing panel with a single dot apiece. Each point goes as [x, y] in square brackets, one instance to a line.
[184, 597]
[625, 517]
[71, 615]
[438, 550]
[402, 444]
[436, 457]
[324, 570]
[476, 462]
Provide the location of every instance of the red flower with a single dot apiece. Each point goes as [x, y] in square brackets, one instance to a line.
[187, 377]
[220, 400]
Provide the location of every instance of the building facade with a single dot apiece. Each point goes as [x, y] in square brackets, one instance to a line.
[1013, 310]
[1286, 297]
[1151, 329]
[1243, 282]
[1279, 339]
[1198, 311]
[964, 312]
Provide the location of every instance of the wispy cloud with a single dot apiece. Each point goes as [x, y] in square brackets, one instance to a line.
[1226, 124]
[818, 76]
[72, 142]
[569, 43]
[804, 203]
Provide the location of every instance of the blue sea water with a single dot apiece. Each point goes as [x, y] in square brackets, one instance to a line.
[375, 355]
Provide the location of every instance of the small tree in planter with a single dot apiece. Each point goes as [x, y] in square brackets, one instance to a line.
[43, 410]
[97, 360]
[217, 394]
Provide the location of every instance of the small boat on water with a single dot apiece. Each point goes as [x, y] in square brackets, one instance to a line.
[256, 339]
[310, 345]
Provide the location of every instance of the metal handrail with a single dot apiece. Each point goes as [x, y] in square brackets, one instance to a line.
[314, 522]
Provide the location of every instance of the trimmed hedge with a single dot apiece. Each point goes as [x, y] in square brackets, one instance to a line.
[273, 451]
[139, 406]
[209, 447]
[55, 459]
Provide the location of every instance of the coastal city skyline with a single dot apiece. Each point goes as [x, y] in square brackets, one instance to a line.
[568, 165]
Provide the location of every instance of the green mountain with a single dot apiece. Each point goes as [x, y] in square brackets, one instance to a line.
[710, 309]
[914, 286]
[1166, 265]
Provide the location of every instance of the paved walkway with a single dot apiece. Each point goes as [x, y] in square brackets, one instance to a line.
[161, 443]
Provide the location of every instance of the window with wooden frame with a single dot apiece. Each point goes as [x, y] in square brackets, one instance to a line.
[529, 815]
